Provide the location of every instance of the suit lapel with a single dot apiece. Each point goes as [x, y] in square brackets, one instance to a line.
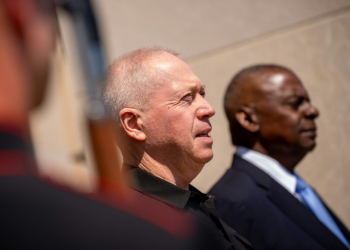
[290, 206]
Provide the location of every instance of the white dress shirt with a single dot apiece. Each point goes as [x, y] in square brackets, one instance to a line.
[271, 167]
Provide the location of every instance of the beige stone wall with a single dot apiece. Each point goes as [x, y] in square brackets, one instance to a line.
[218, 38]
[319, 52]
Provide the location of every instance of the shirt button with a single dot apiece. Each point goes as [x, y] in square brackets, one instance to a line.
[192, 195]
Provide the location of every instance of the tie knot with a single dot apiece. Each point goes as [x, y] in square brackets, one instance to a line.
[301, 185]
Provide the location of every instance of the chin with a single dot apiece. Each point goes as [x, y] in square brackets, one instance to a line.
[205, 158]
[309, 147]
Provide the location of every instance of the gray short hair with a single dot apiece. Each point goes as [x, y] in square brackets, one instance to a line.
[131, 80]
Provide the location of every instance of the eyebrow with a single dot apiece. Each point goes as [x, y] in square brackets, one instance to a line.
[194, 86]
[305, 97]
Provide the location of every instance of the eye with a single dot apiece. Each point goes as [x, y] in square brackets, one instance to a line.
[295, 103]
[202, 93]
[188, 98]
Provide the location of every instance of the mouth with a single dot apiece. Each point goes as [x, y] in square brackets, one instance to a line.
[204, 133]
[310, 132]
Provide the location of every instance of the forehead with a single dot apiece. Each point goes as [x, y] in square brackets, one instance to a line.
[174, 74]
[281, 84]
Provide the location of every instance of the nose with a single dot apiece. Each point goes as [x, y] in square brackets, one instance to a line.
[205, 110]
[311, 112]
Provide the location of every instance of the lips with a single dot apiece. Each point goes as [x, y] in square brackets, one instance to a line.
[204, 133]
[310, 132]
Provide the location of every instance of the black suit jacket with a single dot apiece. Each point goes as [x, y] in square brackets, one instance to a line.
[268, 215]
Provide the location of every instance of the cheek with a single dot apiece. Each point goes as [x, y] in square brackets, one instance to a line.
[280, 125]
[169, 125]
[162, 128]
[178, 128]
[289, 129]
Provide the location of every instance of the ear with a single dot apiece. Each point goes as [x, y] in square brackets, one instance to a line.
[131, 121]
[247, 118]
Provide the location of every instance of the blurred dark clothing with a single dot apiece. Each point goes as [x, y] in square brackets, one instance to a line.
[192, 201]
[268, 215]
[39, 215]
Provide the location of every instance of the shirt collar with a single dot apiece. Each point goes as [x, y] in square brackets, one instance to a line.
[270, 166]
[159, 188]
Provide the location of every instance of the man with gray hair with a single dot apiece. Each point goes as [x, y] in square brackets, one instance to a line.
[164, 134]
[35, 213]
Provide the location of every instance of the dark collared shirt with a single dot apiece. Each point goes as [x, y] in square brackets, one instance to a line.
[200, 205]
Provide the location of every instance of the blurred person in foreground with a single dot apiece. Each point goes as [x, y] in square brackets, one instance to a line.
[272, 123]
[163, 124]
[35, 214]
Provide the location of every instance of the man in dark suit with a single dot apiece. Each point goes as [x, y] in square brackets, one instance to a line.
[272, 124]
[163, 123]
[36, 214]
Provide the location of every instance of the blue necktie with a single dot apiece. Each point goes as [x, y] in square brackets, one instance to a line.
[311, 200]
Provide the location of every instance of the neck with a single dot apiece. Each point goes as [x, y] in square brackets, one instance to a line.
[288, 162]
[288, 159]
[165, 164]
[173, 173]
